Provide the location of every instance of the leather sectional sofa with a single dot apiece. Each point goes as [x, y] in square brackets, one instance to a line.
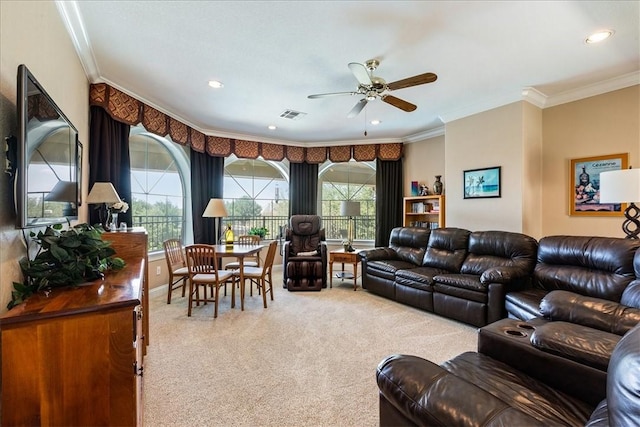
[552, 361]
[475, 389]
[453, 272]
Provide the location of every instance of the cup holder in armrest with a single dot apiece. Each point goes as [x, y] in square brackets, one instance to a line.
[525, 326]
[515, 333]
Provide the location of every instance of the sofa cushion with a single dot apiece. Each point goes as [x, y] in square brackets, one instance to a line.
[387, 269]
[601, 267]
[419, 277]
[582, 344]
[447, 249]
[595, 313]
[489, 249]
[463, 281]
[409, 243]
[525, 304]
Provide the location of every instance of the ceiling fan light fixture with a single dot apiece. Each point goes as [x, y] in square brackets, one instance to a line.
[371, 95]
[599, 36]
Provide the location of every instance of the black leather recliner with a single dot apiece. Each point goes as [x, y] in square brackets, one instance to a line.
[304, 256]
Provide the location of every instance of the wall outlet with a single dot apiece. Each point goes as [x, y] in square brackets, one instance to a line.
[158, 271]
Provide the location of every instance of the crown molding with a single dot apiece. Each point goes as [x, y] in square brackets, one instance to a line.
[70, 15]
[427, 134]
[534, 96]
[599, 88]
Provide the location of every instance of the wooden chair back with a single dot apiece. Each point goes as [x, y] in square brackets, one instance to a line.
[173, 252]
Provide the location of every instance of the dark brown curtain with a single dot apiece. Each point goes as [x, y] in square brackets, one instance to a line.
[389, 193]
[303, 189]
[109, 159]
[207, 178]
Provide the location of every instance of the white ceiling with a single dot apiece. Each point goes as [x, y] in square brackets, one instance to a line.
[271, 55]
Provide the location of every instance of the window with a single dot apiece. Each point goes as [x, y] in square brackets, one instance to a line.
[349, 181]
[159, 188]
[256, 194]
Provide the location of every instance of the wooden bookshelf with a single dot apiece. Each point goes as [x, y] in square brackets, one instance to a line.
[424, 211]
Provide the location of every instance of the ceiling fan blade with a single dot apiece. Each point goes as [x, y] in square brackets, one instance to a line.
[413, 81]
[360, 72]
[326, 95]
[399, 103]
[357, 108]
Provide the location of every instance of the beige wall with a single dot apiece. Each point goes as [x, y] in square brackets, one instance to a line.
[600, 125]
[32, 33]
[491, 138]
[422, 162]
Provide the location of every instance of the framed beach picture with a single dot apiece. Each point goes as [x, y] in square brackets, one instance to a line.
[584, 194]
[482, 183]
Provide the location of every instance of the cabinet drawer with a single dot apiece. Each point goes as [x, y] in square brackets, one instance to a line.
[345, 257]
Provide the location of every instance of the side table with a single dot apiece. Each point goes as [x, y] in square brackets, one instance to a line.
[343, 257]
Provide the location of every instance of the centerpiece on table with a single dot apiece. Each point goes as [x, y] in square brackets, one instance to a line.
[259, 231]
[64, 258]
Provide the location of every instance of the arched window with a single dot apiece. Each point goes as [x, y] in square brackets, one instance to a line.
[160, 187]
[256, 195]
[348, 182]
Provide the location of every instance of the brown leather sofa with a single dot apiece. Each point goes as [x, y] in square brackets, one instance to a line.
[476, 389]
[453, 272]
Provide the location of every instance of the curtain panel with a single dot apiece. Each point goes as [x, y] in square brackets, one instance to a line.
[109, 159]
[207, 174]
[389, 199]
[303, 189]
[127, 109]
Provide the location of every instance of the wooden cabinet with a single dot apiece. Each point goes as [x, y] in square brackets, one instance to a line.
[424, 211]
[73, 356]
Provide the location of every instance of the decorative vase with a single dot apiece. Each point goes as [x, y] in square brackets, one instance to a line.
[113, 221]
[437, 185]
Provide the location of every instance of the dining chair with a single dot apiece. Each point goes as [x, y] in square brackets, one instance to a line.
[177, 266]
[248, 239]
[261, 276]
[203, 272]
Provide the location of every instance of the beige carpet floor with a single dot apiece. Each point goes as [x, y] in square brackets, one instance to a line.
[309, 359]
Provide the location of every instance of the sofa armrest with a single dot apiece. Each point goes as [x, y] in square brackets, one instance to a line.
[503, 274]
[376, 254]
[426, 394]
[597, 313]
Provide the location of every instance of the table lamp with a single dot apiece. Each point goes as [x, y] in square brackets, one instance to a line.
[623, 186]
[103, 192]
[351, 209]
[215, 209]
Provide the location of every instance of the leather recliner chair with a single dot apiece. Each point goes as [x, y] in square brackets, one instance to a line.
[305, 254]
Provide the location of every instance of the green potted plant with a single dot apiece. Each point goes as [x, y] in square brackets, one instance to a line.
[64, 258]
[259, 231]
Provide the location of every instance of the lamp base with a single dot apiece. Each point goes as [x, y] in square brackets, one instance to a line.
[631, 225]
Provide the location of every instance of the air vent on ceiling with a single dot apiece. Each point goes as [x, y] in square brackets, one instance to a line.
[292, 115]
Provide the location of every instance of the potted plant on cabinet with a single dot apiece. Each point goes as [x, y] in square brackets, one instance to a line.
[64, 258]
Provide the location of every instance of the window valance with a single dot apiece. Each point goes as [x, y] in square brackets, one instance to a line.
[125, 108]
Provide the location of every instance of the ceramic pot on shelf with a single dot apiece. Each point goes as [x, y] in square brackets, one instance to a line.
[437, 185]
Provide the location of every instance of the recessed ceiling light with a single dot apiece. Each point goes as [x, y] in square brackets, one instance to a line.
[272, 127]
[375, 122]
[215, 84]
[599, 36]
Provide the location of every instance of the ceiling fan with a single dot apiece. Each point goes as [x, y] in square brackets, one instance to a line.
[372, 87]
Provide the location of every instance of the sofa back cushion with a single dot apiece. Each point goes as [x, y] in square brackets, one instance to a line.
[600, 267]
[489, 249]
[447, 249]
[409, 243]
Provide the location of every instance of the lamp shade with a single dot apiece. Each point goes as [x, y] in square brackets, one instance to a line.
[103, 192]
[621, 186]
[215, 209]
[63, 191]
[349, 208]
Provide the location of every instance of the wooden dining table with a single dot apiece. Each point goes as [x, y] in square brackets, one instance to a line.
[240, 252]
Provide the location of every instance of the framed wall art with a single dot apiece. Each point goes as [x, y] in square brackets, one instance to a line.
[584, 194]
[482, 183]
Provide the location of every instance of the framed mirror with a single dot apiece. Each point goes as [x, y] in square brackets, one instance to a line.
[47, 185]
